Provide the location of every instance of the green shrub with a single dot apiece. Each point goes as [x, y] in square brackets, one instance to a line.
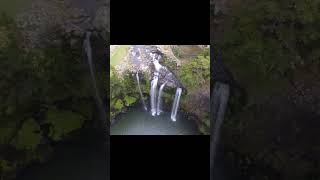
[195, 73]
[123, 91]
[29, 136]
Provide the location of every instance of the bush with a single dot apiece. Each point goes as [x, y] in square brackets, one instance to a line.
[123, 91]
[195, 73]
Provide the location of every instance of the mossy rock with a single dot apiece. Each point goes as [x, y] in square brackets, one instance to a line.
[63, 122]
[29, 136]
[129, 100]
[118, 105]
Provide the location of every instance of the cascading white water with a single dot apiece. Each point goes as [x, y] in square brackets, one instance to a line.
[154, 85]
[157, 65]
[155, 98]
[141, 95]
[159, 104]
[175, 105]
[88, 50]
[87, 46]
[153, 94]
[220, 99]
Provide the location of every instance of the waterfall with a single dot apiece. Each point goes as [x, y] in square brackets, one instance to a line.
[88, 50]
[159, 104]
[160, 72]
[220, 100]
[153, 94]
[157, 65]
[175, 105]
[141, 95]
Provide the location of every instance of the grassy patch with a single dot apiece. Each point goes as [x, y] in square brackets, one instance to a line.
[118, 54]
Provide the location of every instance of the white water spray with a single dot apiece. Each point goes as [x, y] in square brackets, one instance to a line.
[159, 104]
[88, 50]
[220, 99]
[153, 94]
[175, 105]
[141, 95]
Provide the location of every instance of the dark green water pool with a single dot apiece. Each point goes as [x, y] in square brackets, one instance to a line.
[139, 122]
[84, 159]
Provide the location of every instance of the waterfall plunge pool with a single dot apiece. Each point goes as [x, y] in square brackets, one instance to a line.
[136, 121]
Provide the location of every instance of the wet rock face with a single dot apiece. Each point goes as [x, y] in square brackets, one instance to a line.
[144, 58]
[44, 19]
[167, 76]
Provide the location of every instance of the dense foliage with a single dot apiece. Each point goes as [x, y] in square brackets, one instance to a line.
[272, 50]
[195, 76]
[196, 72]
[45, 94]
[269, 39]
[123, 91]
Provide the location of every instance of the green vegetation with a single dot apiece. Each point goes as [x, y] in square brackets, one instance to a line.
[195, 76]
[119, 54]
[123, 92]
[196, 72]
[272, 50]
[266, 47]
[29, 135]
[44, 93]
[63, 122]
[176, 52]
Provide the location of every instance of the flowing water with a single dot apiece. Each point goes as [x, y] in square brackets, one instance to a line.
[139, 122]
[220, 100]
[153, 94]
[88, 50]
[175, 105]
[141, 95]
[160, 99]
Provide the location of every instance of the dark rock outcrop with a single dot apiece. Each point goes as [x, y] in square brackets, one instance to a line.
[142, 60]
